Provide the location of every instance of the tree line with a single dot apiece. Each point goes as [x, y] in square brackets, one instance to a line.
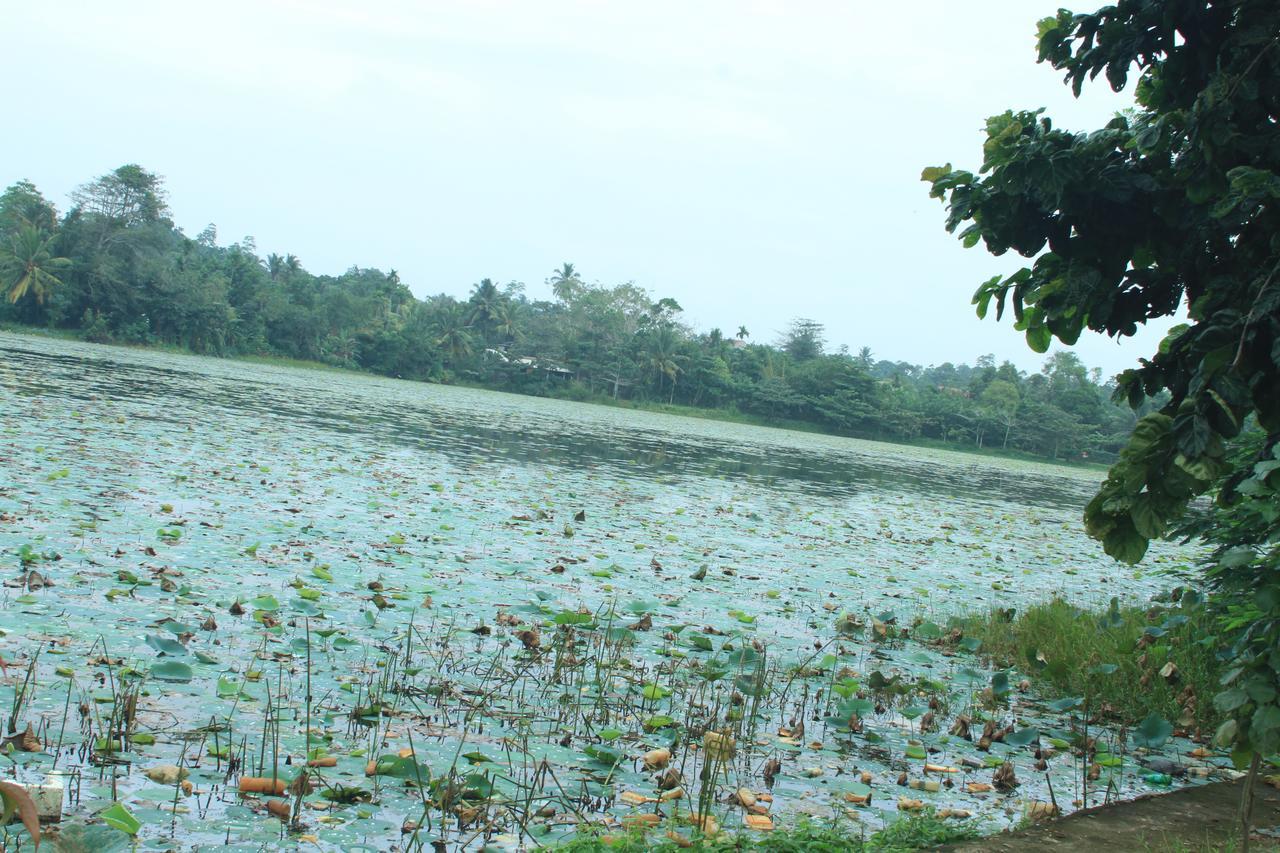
[115, 268]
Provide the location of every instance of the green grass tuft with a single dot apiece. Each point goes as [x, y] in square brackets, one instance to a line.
[915, 832]
[1057, 644]
[919, 832]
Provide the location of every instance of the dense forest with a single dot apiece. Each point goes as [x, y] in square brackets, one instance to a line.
[115, 268]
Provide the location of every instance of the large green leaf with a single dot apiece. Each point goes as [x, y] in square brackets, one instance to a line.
[166, 646]
[121, 818]
[1000, 684]
[171, 670]
[1153, 731]
[1022, 737]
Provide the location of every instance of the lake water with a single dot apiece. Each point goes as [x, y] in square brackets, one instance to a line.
[150, 487]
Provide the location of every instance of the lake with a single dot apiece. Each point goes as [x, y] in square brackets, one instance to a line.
[396, 544]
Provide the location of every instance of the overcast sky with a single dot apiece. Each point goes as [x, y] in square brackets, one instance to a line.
[757, 161]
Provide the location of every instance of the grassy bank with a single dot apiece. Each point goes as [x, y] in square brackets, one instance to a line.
[912, 832]
[580, 395]
[1125, 662]
[269, 360]
[734, 416]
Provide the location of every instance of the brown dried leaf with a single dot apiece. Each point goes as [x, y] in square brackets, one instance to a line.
[16, 799]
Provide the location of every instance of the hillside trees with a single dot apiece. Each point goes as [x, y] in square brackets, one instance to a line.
[132, 276]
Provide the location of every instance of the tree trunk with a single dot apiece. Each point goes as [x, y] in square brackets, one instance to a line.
[1246, 802]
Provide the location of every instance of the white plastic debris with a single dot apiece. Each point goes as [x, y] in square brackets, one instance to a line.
[47, 796]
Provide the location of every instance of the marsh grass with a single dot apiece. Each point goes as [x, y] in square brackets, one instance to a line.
[920, 831]
[1060, 646]
[571, 687]
[915, 832]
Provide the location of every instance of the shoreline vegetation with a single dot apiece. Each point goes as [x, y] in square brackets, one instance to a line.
[909, 832]
[114, 268]
[1166, 647]
[655, 406]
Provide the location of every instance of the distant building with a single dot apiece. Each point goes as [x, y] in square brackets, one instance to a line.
[530, 363]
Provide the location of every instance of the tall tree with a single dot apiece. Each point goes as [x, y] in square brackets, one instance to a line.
[29, 265]
[275, 266]
[804, 339]
[664, 358]
[1176, 203]
[565, 282]
[1001, 401]
[22, 204]
[454, 335]
[129, 195]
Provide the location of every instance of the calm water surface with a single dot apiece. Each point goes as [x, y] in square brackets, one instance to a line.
[155, 490]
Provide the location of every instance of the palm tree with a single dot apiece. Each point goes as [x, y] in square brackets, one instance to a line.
[507, 323]
[486, 303]
[564, 281]
[453, 333]
[743, 334]
[663, 358]
[28, 264]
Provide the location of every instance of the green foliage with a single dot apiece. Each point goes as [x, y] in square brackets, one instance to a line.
[1243, 570]
[1174, 203]
[28, 264]
[22, 204]
[172, 670]
[1101, 656]
[119, 817]
[804, 339]
[115, 269]
[920, 831]
[127, 196]
[1152, 732]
